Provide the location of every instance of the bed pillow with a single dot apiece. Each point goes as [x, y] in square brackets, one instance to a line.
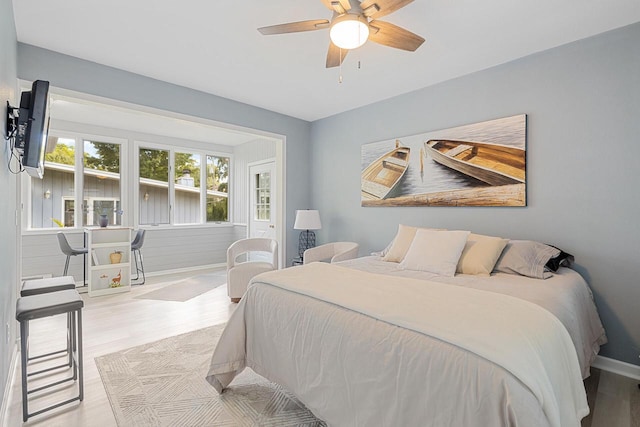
[385, 251]
[435, 251]
[480, 254]
[401, 243]
[526, 258]
[564, 259]
[399, 246]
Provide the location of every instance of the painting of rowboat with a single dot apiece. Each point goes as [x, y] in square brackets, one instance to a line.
[381, 179]
[482, 164]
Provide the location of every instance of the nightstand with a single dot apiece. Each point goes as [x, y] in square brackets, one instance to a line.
[297, 261]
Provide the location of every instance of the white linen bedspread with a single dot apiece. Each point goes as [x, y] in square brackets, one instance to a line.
[496, 352]
[566, 295]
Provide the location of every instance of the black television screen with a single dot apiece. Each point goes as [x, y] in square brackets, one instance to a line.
[32, 134]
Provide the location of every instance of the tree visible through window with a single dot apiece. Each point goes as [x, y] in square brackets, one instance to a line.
[101, 182]
[217, 189]
[49, 196]
[154, 186]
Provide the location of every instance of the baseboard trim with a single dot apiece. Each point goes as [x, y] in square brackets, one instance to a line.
[81, 288]
[186, 269]
[4, 409]
[617, 367]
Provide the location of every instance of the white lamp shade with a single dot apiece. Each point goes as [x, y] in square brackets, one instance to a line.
[349, 31]
[307, 220]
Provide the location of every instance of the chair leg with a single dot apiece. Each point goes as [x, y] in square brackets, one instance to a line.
[66, 265]
[139, 268]
[144, 279]
[135, 260]
[24, 339]
[79, 347]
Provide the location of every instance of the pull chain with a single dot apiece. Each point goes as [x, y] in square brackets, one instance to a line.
[340, 78]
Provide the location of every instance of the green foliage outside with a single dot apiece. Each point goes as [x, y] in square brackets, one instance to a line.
[107, 159]
[154, 164]
[217, 209]
[63, 154]
[218, 173]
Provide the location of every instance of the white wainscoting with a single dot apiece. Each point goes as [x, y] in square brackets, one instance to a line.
[164, 249]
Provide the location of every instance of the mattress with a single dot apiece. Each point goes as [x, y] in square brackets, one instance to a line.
[357, 368]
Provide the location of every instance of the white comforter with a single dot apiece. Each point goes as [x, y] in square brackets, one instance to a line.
[461, 356]
[566, 295]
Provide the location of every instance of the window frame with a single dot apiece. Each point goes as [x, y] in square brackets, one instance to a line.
[78, 180]
[189, 149]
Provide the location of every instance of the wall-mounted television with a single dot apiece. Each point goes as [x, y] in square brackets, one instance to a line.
[33, 127]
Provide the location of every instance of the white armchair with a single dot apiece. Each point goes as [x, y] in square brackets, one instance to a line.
[239, 274]
[332, 252]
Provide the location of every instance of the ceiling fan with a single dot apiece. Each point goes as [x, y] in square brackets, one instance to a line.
[352, 24]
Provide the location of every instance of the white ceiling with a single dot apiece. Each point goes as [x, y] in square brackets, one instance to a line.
[100, 112]
[213, 46]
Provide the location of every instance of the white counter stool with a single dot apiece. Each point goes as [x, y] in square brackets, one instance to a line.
[45, 305]
[46, 285]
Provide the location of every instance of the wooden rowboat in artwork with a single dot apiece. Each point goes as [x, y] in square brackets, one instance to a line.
[382, 177]
[494, 164]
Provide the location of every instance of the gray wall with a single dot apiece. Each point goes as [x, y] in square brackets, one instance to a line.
[8, 231]
[88, 77]
[582, 102]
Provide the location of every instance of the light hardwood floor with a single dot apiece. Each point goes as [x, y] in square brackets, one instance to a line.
[117, 322]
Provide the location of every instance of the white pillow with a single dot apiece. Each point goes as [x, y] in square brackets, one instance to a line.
[435, 251]
[480, 254]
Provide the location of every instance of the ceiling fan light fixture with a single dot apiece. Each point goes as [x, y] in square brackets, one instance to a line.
[349, 31]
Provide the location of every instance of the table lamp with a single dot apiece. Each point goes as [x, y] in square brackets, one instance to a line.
[307, 220]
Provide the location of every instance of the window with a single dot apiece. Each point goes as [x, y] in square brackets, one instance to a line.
[154, 186]
[51, 196]
[54, 198]
[217, 189]
[187, 188]
[101, 161]
[263, 195]
[182, 187]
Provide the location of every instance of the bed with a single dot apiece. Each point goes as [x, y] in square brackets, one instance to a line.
[365, 342]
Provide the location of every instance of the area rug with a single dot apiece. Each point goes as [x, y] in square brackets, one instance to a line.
[186, 289]
[163, 384]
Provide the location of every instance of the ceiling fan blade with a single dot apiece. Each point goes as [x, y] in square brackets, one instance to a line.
[339, 6]
[379, 8]
[335, 55]
[295, 27]
[393, 36]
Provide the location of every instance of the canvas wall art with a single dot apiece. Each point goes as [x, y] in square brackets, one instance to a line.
[481, 164]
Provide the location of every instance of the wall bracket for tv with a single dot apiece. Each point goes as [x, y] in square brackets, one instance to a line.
[17, 122]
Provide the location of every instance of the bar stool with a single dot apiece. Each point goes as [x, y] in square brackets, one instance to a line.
[45, 305]
[44, 286]
[66, 249]
[136, 245]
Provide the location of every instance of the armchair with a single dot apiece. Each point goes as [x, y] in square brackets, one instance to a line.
[239, 274]
[332, 252]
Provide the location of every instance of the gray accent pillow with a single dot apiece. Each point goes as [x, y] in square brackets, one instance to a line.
[527, 258]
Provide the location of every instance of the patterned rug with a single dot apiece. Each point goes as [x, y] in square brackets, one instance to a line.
[162, 384]
[186, 289]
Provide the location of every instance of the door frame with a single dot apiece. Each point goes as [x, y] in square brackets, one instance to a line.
[279, 204]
